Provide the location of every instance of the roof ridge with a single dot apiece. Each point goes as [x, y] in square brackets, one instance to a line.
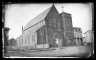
[38, 16]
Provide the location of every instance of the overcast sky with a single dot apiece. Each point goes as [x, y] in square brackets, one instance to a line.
[17, 15]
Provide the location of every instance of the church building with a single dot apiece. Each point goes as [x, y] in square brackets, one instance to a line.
[51, 29]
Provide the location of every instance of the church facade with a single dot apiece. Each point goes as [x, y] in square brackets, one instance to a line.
[51, 29]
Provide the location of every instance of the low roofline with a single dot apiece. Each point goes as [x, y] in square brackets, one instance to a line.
[6, 28]
[87, 31]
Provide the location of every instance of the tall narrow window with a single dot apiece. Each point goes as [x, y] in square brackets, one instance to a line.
[34, 26]
[44, 22]
[33, 38]
[50, 24]
[38, 24]
[31, 28]
[59, 26]
[54, 23]
[41, 23]
[29, 37]
[22, 40]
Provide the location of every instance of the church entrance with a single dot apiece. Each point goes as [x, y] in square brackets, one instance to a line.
[58, 41]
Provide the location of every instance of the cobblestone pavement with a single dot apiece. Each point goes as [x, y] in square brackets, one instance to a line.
[53, 52]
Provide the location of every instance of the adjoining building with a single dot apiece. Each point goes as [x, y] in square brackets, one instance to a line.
[5, 37]
[77, 36]
[88, 37]
[50, 29]
[12, 43]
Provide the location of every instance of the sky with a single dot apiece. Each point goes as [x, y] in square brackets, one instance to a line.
[17, 15]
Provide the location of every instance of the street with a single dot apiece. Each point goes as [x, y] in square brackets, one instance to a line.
[64, 51]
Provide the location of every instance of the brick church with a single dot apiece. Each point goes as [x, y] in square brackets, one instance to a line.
[51, 29]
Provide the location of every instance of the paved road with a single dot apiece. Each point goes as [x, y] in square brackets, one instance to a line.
[65, 51]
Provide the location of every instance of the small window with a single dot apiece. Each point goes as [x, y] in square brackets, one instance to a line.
[69, 36]
[22, 40]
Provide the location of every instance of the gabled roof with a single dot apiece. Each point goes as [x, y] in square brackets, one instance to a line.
[37, 19]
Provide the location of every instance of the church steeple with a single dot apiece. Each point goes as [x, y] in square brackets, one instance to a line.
[52, 4]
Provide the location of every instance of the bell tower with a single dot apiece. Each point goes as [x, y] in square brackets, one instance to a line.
[67, 27]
